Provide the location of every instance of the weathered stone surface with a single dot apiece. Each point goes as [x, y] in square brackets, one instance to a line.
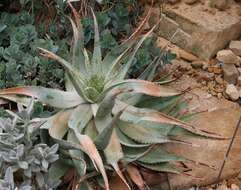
[211, 151]
[173, 1]
[230, 73]
[205, 76]
[234, 187]
[219, 79]
[199, 32]
[201, 99]
[235, 46]
[162, 42]
[223, 187]
[219, 4]
[239, 81]
[227, 56]
[239, 70]
[190, 2]
[239, 62]
[232, 92]
[197, 64]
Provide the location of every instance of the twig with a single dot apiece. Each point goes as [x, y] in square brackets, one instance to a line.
[229, 148]
[85, 177]
[169, 183]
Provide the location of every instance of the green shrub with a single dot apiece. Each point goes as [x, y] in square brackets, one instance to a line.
[19, 61]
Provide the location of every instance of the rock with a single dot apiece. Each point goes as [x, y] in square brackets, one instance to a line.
[239, 70]
[230, 73]
[235, 46]
[215, 69]
[239, 63]
[190, 2]
[219, 95]
[238, 11]
[204, 76]
[187, 56]
[234, 187]
[223, 187]
[227, 56]
[239, 176]
[233, 181]
[173, 1]
[198, 32]
[239, 81]
[219, 79]
[205, 66]
[239, 93]
[232, 92]
[161, 42]
[219, 4]
[197, 64]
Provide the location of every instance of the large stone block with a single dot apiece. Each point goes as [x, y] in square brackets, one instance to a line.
[199, 31]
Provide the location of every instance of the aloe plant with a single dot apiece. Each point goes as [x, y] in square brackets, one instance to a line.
[106, 121]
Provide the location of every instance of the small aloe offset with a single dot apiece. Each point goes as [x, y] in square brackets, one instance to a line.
[107, 122]
[22, 152]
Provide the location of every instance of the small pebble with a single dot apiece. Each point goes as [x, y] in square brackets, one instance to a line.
[234, 187]
[232, 92]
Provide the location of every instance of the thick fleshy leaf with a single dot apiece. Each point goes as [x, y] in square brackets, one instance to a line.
[52, 97]
[15, 98]
[162, 167]
[111, 56]
[69, 68]
[90, 149]
[77, 155]
[58, 170]
[78, 58]
[149, 72]
[135, 176]
[149, 88]
[141, 134]
[116, 65]
[87, 60]
[74, 76]
[80, 117]
[91, 130]
[156, 103]
[163, 118]
[58, 124]
[114, 154]
[107, 138]
[141, 87]
[127, 65]
[78, 86]
[126, 141]
[151, 156]
[77, 123]
[103, 138]
[104, 110]
[158, 117]
[96, 59]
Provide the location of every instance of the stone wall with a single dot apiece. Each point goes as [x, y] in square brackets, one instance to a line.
[201, 27]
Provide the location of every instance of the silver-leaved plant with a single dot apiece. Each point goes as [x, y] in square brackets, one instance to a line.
[22, 152]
